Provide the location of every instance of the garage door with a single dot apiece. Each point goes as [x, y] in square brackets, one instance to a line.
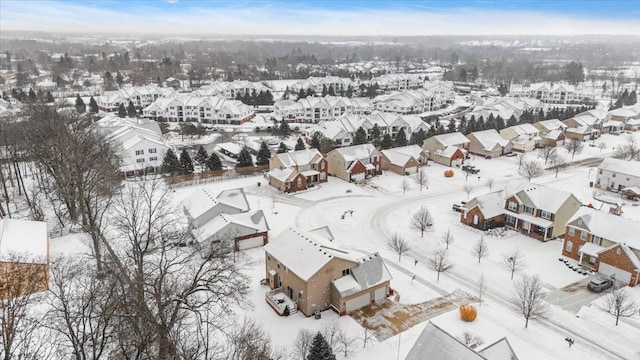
[609, 270]
[250, 243]
[358, 177]
[381, 293]
[412, 170]
[358, 302]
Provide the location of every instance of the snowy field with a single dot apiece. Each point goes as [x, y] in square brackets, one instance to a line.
[363, 216]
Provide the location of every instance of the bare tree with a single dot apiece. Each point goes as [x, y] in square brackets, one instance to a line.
[422, 220]
[82, 309]
[481, 286]
[574, 147]
[366, 334]
[422, 179]
[530, 169]
[22, 278]
[249, 341]
[514, 261]
[447, 238]
[440, 263]
[558, 162]
[398, 244]
[480, 249]
[470, 339]
[404, 186]
[302, 343]
[620, 303]
[530, 298]
[163, 287]
[520, 159]
[491, 182]
[468, 189]
[547, 152]
[330, 332]
[346, 342]
[629, 150]
[602, 146]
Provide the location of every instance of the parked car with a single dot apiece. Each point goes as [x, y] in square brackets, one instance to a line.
[458, 207]
[600, 284]
[470, 168]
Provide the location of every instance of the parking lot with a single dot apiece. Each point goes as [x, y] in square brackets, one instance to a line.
[576, 295]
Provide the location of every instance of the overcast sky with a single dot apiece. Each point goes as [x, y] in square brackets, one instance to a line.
[264, 18]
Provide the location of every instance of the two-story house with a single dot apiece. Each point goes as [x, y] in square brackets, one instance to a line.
[447, 149]
[296, 170]
[617, 174]
[354, 163]
[308, 272]
[523, 137]
[488, 143]
[606, 243]
[535, 210]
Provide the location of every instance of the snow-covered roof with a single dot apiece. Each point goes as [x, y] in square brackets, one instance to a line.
[499, 350]
[621, 166]
[249, 222]
[491, 204]
[396, 157]
[323, 231]
[489, 139]
[299, 157]
[435, 343]
[538, 196]
[611, 227]
[452, 139]
[283, 175]
[552, 124]
[370, 271]
[27, 240]
[553, 134]
[304, 253]
[230, 147]
[357, 152]
[202, 200]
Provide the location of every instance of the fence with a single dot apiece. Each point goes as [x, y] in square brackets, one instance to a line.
[215, 175]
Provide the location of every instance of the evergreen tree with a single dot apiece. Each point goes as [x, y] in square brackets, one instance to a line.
[282, 148]
[499, 123]
[170, 163]
[503, 90]
[32, 95]
[213, 162]
[631, 99]
[375, 135]
[452, 126]
[201, 156]
[512, 121]
[284, 130]
[300, 145]
[491, 122]
[285, 96]
[119, 79]
[264, 154]
[361, 137]
[131, 109]
[349, 92]
[320, 349]
[331, 91]
[186, 164]
[122, 111]
[315, 141]
[440, 130]
[244, 158]
[49, 98]
[417, 138]
[80, 106]
[401, 138]
[432, 131]
[108, 81]
[324, 90]
[93, 106]
[386, 142]
[310, 92]
[302, 94]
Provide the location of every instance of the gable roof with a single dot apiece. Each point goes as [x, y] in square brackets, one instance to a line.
[489, 139]
[621, 166]
[437, 344]
[251, 221]
[611, 227]
[499, 350]
[299, 157]
[491, 204]
[357, 152]
[202, 200]
[539, 196]
[452, 139]
[304, 253]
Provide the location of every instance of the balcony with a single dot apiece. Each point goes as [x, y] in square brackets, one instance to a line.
[279, 301]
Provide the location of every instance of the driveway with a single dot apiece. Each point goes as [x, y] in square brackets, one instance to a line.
[576, 295]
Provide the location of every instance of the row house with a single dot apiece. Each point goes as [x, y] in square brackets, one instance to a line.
[296, 170]
[617, 174]
[410, 102]
[140, 96]
[561, 94]
[506, 107]
[202, 109]
[488, 143]
[523, 137]
[538, 211]
[316, 109]
[317, 84]
[447, 149]
[307, 272]
[606, 243]
[629, 116]
[231, 89]
[395, 82]
[354, 163]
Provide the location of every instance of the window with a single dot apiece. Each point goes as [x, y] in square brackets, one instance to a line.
[152, 151]
[614, 175]
[545, 215]
[569, 246]
[510, 219]
[139, 152]
[618, 251]
[583, 235]
[268, 257]
[513, 206]
[529, 210]
[346, 272]
[597, 240]
[153, 158]
[572, 231]
[592, 259]
[140, 160]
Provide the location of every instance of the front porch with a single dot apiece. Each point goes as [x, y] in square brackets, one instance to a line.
[537, 228]
[280, 302]
[589, 253]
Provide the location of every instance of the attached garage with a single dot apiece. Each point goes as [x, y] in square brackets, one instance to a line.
[411, 169]
[357, 302]
[620, 275]
[250, 243]
[358, 177]
[380, 293]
